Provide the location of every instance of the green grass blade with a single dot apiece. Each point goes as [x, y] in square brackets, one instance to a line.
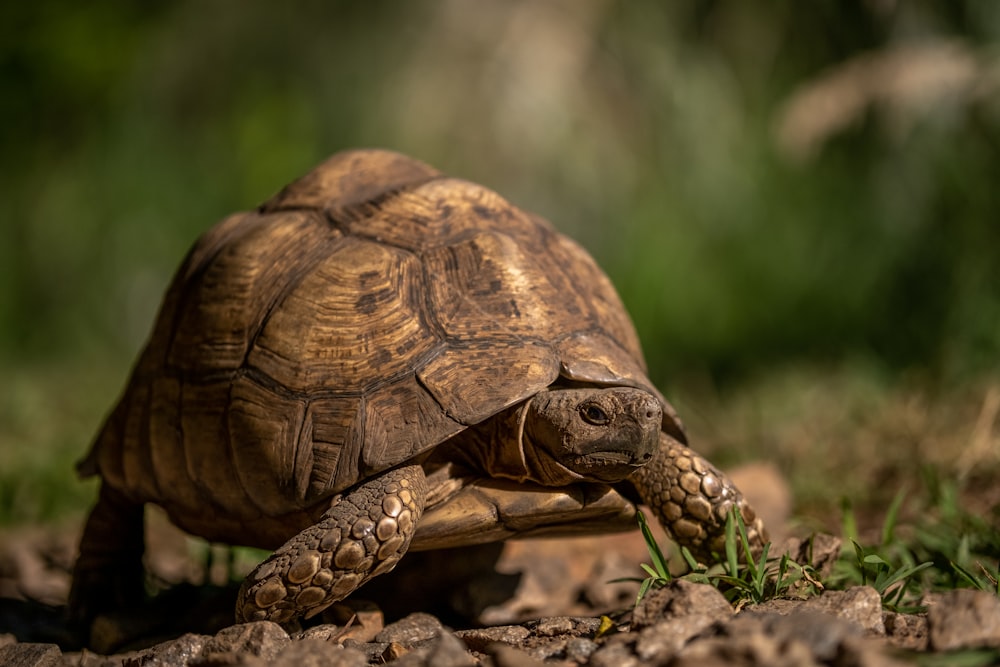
[875, 559]
[732, 557]
[904, 573]
[892, 516]
[759, 571]
[655, 554]
[689, 559]
[966, 575]
[643, 589]
[780, 583]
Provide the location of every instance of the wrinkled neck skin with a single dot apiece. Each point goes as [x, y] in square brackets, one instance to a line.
[501, 447]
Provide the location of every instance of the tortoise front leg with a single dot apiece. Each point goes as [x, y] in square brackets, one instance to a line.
[108, 573]
[363, 534]
[692, 499]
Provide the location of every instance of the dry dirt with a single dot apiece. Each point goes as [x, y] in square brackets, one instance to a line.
[523, 603]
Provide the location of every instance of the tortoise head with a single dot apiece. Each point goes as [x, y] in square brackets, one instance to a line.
[597, 433]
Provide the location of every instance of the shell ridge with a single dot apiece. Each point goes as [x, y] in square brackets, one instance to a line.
[320, 392]
[297, 275]
[350, 461]
[346, 214]
[441, 406]
[187, 281]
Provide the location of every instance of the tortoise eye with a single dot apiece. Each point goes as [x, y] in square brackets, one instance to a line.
[594, 414]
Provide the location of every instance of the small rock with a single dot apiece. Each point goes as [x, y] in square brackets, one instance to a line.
[444, 651]
[870, 652]
[373, 650]
[658, 643]
[37, 564]
[392, 652]
[449, 651]
[822, 633]
[680, 598]
[180, 651]
[338, 634]
[860, 604]
[226, 659]
[27, 654]
[550, 627]
[807, 637]
[508, 656]
[479, 639]
[964, 618]
[263, 639]
[613, 654]
[411, 630]
[417, 657]
[751, 650]
[584, 626]
[358, 619]
[906, 630]
[548, 649]
[820, 551]
[579, 649]
[318, 653]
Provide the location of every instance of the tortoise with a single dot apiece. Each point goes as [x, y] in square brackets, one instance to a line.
[378, 359]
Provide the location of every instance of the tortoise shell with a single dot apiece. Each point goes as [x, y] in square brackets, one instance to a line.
[366, 313]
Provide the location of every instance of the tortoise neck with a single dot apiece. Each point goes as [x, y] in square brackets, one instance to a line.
[504, 446]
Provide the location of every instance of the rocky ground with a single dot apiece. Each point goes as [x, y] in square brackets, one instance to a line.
[524, 603]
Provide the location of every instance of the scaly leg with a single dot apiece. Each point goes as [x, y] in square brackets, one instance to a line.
[692, 499]
[108, 573]
[363, 534]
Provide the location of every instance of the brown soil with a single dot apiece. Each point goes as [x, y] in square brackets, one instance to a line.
[521, 603]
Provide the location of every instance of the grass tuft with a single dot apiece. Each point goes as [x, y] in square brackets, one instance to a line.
[742, 578]
[943, 548]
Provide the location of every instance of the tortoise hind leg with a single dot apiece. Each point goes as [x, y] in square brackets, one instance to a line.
[363, 534]
[108, 573]
[692, 499]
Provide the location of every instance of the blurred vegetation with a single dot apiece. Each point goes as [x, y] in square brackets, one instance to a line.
[795, 199]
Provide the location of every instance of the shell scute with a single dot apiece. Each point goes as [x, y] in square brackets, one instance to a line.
[335, 428]
[319, 339]
[231, 290]
[401, 419]
[470, 385]
[351, 179]
[437, 213]
[264, 447]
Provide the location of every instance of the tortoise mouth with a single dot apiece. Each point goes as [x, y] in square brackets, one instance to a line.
[612, 465]
[609, 457]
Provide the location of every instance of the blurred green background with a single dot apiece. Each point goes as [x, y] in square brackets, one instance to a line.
[799, 201]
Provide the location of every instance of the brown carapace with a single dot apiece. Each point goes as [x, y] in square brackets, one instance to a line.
[383, 358]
